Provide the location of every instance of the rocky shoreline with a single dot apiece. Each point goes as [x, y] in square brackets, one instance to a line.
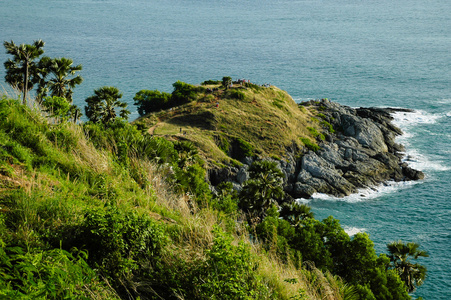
[360, 152]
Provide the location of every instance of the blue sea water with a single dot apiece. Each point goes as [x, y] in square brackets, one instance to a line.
[358, 53]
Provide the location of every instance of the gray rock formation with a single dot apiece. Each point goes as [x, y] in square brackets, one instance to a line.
[361, 153]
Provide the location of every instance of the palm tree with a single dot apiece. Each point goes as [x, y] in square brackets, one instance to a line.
[60, 84]
[412, 274]
[263, 189]
[21, 71]
[295, 213]
[102, 106]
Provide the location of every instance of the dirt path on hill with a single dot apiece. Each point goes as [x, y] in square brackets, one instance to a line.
[152, 129]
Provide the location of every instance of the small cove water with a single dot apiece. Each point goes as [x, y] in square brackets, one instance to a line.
[358, 53]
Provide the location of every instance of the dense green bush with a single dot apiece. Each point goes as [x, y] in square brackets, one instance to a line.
[228, 272]
[208, 82]
[235, 94]
[117, 242]
[185, 93]
[152, 101]
[48, 274]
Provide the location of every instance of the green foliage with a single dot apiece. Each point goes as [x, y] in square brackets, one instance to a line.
[309, 144]
[47, 274]
[101, 108]
[226, 199]
[116, 241]
[228, 272]
[209, 82]
[263, 189]
[57, 107]
[315, 133]
[192, 180]
[152, 101]
[226, 82]
[412, 274]
[22, 71]
[59, 84]
[184, 93]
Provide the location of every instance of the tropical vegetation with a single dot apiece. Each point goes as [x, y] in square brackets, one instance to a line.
[107, 209]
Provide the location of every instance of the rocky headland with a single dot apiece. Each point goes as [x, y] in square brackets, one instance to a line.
[358, 151]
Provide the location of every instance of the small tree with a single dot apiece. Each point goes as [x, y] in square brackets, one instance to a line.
[412, 274]
[59, 107]
[60, 69]
[102, 106]
[263, 189]
[226, 81]
[22, 71]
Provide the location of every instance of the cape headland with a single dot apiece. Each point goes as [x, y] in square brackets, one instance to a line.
[320, 146]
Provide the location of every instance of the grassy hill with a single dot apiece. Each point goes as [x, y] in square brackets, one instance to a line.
[225, 124]
[79, 221]
[108, 211]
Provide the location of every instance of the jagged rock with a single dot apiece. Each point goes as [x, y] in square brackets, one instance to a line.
[302, 190]
[361, 153]
[364, 131]
[412, 174]
[242, 174]
[248, 160]
[321, 169]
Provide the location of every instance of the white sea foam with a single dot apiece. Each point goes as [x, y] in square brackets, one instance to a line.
[421, 162]
[444, 101]
[299, 100]
[369, 193]
[406, 121]
[353, 230]
[303, 201]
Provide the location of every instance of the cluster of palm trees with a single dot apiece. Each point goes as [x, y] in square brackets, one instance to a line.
[53, 77]
[56, 77]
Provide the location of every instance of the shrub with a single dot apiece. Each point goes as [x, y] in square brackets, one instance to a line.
[236, 94]
[48, 274]
[309, 144]
[184, 93]
[152, 101]
[117, 241]
[209, 82]
[315, 133]
[228, 272]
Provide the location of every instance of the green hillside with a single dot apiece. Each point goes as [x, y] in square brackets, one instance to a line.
[107, 209]
[228, 123]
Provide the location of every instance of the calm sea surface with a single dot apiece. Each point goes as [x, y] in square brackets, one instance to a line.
[358, 53]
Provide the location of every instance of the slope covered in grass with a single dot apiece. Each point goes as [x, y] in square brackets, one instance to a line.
[229, 123]
[93, 212]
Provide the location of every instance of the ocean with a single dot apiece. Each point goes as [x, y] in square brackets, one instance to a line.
[358, 53]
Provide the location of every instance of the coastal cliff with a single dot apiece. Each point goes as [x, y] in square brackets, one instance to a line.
[358, 151]
[319, 145]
